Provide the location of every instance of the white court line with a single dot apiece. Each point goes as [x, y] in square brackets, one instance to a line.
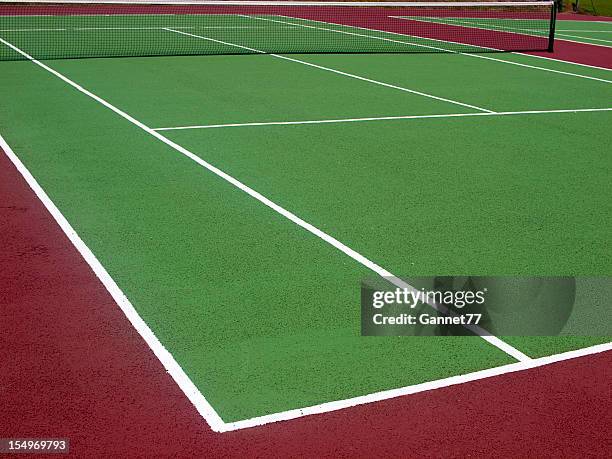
[380, 118]
[529, 30]
[329, 69]
[89, 15]
[586, 38]
[478, 56]
[166, 359]
[409, 390]
[32, 30]
[134, 28]
[192, 392]
[164, 28]
[559, 20]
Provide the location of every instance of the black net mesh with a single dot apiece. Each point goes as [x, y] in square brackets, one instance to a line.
[81, 30]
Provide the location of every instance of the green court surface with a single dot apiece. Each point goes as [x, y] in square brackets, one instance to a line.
[591, 32]
[511, 176]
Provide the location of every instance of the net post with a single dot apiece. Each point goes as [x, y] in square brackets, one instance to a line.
[551, 33]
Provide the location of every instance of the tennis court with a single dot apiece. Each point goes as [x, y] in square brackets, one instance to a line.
[233, 202]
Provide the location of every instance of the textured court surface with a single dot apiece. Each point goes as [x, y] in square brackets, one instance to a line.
[485, 167]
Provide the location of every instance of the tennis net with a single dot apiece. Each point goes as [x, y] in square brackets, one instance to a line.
[60, 30]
